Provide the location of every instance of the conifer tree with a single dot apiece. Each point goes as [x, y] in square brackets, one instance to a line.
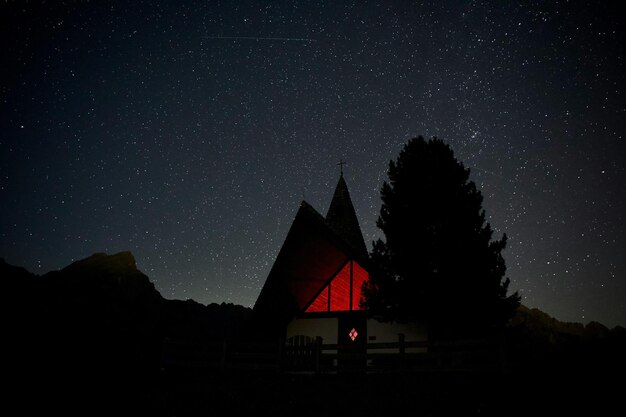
[437, 263]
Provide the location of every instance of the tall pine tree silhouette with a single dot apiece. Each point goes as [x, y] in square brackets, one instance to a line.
[437, 263]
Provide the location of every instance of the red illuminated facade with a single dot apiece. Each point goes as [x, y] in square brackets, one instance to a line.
[342, 292]
[319, 271]
[314, 290]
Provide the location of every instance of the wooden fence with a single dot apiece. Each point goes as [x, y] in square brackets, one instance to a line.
[317, 357]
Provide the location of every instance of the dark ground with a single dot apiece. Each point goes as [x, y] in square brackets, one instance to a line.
[88, 340]
[203, 393]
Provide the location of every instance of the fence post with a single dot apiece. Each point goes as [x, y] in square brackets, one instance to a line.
[279, 359]
[401, 350]
[223, 358]
[318, 353]
[164, 353]
[504, 365]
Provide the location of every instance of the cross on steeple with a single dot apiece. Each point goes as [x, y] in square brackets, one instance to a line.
[341, 164]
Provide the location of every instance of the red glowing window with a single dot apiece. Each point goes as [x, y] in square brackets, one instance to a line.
[340, 290]
[320, 303]
[353, 334]
[359, 277]
[343, 292]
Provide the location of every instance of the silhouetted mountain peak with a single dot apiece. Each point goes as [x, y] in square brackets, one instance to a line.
[102, 275]
[122, 262]
[595, 330]
[10, 272]
[542, 324]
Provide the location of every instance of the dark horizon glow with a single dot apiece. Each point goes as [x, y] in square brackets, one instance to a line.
[134, 126]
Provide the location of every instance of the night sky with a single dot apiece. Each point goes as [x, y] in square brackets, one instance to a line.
[189, 132]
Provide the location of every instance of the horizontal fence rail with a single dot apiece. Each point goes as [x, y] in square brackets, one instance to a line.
[458, 356]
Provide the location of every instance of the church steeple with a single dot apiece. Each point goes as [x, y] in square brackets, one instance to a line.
[341, 217]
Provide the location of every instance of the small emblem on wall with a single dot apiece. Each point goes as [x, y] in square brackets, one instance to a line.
[353, 334]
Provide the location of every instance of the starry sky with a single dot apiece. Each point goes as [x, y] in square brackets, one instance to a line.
[189, 132]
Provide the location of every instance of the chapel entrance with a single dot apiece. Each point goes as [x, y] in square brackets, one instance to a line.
[352, 341]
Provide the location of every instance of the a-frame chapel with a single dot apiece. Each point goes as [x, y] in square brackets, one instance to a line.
[314, 287]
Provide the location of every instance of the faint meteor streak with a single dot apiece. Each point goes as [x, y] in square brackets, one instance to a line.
[259, 38]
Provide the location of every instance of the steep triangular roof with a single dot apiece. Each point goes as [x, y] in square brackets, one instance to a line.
[310, 257]
[315, 249]
[341, 217]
